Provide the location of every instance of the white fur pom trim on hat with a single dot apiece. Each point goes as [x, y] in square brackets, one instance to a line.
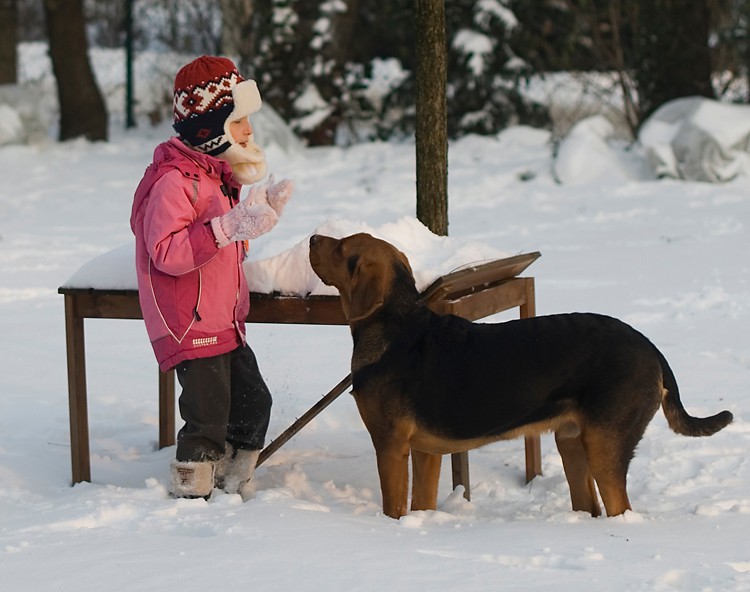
[246, 99]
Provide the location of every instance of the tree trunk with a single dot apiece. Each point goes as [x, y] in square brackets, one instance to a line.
[431, 116]
[8, 39]
[82, 109]
[236, 26]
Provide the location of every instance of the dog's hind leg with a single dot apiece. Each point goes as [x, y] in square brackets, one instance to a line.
[425, 478]
[580, 481]
[608, 460]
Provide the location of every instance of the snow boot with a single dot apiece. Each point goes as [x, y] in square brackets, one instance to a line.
[239, 471]
[222, 464]
[191, 479]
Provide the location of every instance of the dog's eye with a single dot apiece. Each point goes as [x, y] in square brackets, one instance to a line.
[351, 263]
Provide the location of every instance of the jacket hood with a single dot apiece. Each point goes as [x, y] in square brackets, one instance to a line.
[176, 153]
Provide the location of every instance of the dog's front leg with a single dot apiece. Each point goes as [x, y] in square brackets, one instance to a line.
[425, 478]
[393, 469]
[390, 437]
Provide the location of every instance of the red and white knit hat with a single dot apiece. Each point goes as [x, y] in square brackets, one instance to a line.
[208, 94]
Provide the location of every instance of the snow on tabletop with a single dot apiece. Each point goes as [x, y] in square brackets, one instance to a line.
[290, 273]
[430, 256]
[113, 270]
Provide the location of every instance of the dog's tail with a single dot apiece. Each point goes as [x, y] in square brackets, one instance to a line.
[680, 420]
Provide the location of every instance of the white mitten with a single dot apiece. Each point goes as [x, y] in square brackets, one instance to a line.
[258, 193]
[245, 221]
[278, 194]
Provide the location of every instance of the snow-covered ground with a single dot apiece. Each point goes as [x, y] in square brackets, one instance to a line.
[668, 256]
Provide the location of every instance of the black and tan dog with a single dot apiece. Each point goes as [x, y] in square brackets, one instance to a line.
[431, 384]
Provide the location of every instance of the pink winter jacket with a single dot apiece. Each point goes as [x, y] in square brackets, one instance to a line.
[193, 295]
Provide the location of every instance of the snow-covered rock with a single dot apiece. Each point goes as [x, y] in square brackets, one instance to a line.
[698, 139]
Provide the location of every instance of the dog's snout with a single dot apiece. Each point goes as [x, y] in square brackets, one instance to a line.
[315, 238]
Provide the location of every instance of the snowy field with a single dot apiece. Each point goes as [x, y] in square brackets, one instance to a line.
[667, 256]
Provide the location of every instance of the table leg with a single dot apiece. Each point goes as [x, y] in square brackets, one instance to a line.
[533, 457]
[166, 409]
[533, 443]
[460, 468]
[528, 308]
[78, 409]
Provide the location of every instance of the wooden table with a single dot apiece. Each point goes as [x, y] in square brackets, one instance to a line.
[474, 293]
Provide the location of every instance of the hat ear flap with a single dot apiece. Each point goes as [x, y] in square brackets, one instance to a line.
[368, 292]
[246, 97]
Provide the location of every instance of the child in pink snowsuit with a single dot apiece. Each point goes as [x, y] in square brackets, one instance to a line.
[191, 233]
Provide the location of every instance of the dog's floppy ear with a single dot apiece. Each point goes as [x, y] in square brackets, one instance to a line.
[368, 291]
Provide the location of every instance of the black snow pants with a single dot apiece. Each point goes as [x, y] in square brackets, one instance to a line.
[224, 398]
